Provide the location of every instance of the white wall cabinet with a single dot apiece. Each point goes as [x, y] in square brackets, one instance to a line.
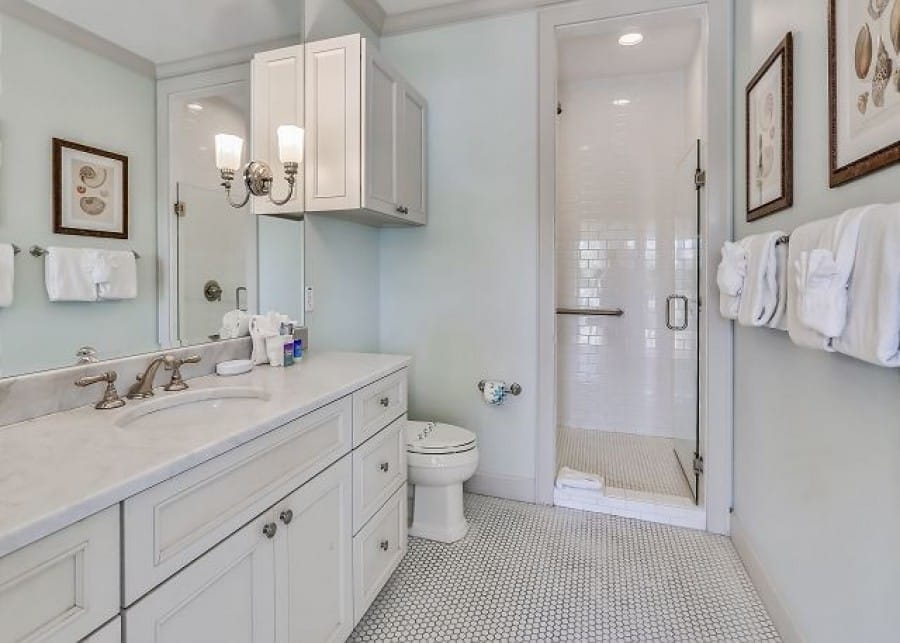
[365, 151]
[277, 90]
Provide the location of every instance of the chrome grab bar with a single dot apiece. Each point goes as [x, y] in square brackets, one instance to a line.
[594, 312]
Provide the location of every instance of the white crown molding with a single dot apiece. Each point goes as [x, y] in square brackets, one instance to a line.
[455, 12]
[222, 58]
[75, 35]
[371, 13]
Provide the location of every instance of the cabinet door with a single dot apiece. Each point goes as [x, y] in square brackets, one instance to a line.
[227, 595]
[380, 135]
[313, 559]
[334, 124]
[412, 173]
[277, 81]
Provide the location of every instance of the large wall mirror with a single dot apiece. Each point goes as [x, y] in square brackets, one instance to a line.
[108, 115]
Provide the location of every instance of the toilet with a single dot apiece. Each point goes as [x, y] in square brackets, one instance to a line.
[440, 458]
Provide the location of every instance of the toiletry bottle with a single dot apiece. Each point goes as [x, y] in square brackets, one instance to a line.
[288, 348]
[298, 344]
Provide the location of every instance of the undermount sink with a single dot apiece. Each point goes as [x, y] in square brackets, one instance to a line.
[203, 405]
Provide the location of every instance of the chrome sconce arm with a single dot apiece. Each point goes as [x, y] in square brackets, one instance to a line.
[258, 180]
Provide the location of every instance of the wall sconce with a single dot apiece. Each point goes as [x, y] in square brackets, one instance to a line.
[258, 176]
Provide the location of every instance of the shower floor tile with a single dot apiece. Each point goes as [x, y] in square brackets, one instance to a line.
[535, 573]
[626, 461]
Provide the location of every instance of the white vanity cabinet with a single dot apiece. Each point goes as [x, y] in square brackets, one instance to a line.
[277, 99]
[365, 136]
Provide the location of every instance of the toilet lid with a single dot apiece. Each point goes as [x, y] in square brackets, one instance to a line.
[436, 437]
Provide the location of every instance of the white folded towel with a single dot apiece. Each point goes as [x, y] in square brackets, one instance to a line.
[115, 273]
[779, 319]
[235, 323]
[574, 479]
[872, 332]
[759, 299]
[730, 278]
[7, 274]
[820, 261]
[68, 274]
[261, 327]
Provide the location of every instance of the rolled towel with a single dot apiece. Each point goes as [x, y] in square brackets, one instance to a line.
[261, 327]
[872, 332]
[7, 274]
[759, 299]
[730, 278]
[235, 323]
[820, 262]
[568, 478]
[67, 274]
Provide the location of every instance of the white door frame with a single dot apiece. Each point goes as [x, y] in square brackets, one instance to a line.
[715, 404]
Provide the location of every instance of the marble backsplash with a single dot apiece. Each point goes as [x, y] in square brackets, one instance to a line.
[29, 396]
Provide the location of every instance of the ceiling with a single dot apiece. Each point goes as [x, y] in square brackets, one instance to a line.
[592, 50]
[163, 31]
[393, 7]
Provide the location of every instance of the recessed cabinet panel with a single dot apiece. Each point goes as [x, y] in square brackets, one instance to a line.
[109, 633]
[63, 586]
[412, 173]
[277, 100]
[377, 405]
[381, 133]
[333, 122]
[379, 468]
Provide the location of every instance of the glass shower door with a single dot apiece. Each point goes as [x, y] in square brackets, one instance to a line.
[682, 315]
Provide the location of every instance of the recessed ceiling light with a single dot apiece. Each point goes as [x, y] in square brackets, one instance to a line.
[621, 102]
[631, 39]
[195, 107]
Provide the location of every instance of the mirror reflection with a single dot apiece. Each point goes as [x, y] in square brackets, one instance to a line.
[110, 185]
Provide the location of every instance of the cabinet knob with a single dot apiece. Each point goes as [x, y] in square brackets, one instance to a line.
[399, 209]
[269, 529]
[385, 545]
[286, 516]
[385, 402]
[384, 466]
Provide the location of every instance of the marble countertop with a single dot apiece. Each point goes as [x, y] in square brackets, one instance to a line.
[58, 469]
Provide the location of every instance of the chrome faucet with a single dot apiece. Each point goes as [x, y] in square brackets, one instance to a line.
[143, 387]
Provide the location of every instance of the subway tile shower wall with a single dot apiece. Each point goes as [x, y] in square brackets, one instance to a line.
[626, 222]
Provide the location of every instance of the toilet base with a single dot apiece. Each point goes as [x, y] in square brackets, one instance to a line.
[438, 513]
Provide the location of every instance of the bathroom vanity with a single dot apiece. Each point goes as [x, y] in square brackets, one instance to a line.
[267, 507]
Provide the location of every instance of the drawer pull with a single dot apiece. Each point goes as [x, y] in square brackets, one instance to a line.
[269, 529]
[385, 545]
[384, 466]
[385, 402]
[286, 516]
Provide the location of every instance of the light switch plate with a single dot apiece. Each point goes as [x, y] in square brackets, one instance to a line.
[309, 301]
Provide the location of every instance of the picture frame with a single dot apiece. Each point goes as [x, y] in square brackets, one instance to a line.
[863, 87]
[770, 134]
[90, 191]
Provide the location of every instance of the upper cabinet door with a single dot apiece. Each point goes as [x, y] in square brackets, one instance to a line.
[333, 124]
[412, 175]
[277, 80]
[380, 135]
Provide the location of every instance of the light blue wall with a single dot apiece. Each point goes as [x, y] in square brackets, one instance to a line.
[817, 436]
[51, 88]
[460, 294]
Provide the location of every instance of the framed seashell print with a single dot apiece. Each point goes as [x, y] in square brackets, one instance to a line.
[863, 87]
[770, 134]
[90, 191]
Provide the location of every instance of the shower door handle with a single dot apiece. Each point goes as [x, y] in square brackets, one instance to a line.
[669, 323]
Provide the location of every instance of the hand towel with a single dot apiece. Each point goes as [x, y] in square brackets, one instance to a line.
[574, 479]
[261, 327]
[820, 260]
[235, 323]
[115, 273]
[779, 319]
[67, 275]
[730, 278]
[759, 298]
[872, 332]
[7, 274]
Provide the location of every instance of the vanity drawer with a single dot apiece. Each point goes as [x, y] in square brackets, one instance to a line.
[169, 525]
[377, 405]
[379, 467]
[64, 586]
[377, 550]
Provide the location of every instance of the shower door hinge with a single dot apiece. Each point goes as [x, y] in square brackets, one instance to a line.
[698, 464]
[179, 208]
[699, 179]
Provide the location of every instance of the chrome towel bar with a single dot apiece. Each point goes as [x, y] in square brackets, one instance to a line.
[594, 312]
[16, 249]
[37, 251]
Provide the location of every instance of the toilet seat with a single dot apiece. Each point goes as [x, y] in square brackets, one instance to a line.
[436, 438]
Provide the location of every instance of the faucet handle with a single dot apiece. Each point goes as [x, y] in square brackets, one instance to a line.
[111, 399]
[174, 364]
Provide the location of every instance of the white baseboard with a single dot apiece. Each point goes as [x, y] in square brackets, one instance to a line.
[767, 592]
[501, 486]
